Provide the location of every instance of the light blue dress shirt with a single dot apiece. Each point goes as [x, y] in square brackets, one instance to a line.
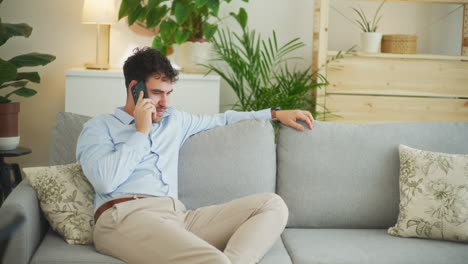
[119, 161]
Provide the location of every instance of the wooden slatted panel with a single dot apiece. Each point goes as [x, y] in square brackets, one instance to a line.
[381, 109]
[465, 31]
[410, 77]
[320, 47]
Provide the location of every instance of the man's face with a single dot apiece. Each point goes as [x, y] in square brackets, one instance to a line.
[159, 92]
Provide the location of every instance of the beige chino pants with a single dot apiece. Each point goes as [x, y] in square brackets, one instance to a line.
[160, 230]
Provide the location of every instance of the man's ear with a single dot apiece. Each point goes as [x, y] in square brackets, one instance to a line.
[131, 84]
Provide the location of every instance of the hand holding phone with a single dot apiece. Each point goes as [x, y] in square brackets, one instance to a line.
[144, 111]
[136, 89]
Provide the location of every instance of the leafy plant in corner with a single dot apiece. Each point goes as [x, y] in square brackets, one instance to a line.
[259, 71]
[9, 75]
[365, 24]
[178, 20]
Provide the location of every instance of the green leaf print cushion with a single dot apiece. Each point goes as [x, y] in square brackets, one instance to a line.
[433, 195]
[66, 198]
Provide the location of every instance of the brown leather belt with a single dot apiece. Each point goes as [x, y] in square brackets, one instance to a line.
[111, 203]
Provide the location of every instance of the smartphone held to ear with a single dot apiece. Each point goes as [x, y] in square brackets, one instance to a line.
[136, 89]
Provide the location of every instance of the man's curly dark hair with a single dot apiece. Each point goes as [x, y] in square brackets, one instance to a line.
[146, 62]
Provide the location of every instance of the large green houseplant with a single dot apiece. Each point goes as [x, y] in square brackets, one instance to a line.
[262, 73]
[192, 23]
[14, 82]
[178, 20]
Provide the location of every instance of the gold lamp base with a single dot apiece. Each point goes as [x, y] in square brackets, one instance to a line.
[102, 48]
[97, 66]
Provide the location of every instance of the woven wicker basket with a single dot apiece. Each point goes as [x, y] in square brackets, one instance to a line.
[403, 44]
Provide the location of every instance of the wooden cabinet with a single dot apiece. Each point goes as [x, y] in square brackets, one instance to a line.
[373, 88]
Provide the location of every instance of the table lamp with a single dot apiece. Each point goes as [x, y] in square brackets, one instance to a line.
[101, 13]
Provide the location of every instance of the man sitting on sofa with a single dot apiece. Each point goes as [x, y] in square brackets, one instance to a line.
[130, 157]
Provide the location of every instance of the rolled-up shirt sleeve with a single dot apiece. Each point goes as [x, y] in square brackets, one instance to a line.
[106, 164]
[193, 124]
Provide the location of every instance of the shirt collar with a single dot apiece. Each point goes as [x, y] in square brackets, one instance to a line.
[123, 116]
[127, 119]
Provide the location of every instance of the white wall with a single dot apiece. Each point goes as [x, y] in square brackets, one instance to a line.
[57, 30]
[438, 32]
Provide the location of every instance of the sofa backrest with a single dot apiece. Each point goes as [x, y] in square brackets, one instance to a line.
[62, 149]
[346, 175]
[215, 166]
[229, 162]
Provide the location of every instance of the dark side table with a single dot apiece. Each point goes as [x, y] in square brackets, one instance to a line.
[7, 183]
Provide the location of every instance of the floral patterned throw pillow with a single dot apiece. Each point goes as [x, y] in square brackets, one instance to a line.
[66, 198]
[433, 195]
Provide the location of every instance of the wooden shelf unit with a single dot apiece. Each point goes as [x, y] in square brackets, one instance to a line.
[404, 56]
[384, 87]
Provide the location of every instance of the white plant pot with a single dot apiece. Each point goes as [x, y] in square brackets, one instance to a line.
[194, 53]
[9, 143]
[371, 41]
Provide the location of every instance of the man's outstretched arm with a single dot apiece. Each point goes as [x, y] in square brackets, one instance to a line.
[193, 124]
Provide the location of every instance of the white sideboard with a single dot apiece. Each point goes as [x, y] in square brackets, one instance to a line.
[92, 92]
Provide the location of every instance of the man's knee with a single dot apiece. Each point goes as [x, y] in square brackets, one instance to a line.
[274, 202]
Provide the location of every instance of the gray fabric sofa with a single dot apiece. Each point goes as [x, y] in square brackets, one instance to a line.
[340, 182]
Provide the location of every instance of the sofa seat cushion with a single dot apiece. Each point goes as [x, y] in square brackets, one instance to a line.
[54, 249]
[373, 246]
[277, 254]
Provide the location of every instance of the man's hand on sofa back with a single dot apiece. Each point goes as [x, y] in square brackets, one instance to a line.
[290, 117]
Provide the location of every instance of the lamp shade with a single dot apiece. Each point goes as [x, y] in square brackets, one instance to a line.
[98, 12]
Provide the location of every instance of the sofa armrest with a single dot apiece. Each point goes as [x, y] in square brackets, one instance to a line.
[24, 241]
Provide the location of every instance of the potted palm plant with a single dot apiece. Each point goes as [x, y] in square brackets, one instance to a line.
[13, 82]
[370, 38]
[262, 72]
[189, 23]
